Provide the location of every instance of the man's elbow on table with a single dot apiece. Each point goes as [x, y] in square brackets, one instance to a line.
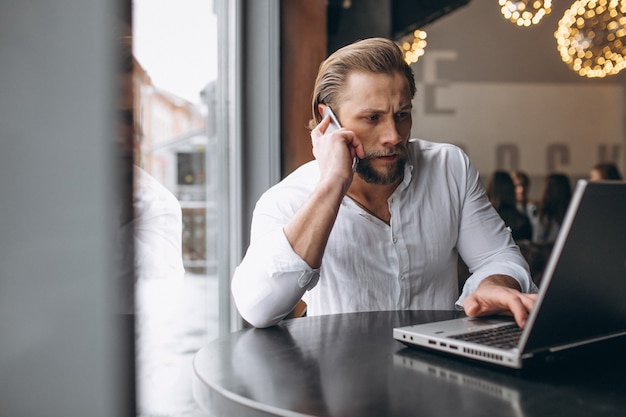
[261, 322]
[261, 305]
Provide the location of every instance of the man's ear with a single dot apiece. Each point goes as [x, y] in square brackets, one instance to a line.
[320, 109]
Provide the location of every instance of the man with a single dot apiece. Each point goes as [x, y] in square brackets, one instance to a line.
[387, 238]
[150, 233]
[152, 273]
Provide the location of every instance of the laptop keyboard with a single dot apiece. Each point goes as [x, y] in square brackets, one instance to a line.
[504, 337]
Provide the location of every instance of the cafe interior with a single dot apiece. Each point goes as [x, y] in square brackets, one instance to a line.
[519, 85]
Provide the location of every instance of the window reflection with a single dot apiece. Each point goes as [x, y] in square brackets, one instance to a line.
[174, 85]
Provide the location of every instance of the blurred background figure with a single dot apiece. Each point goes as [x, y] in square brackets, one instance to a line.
[605, 171]
[502, 193]
[555, 198]
[522, 185]
[151, 231]
[151, 250]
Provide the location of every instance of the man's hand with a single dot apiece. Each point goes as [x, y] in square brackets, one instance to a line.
[335, 151]
[500, 294]
[308, 230]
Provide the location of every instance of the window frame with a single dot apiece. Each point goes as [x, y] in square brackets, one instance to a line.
[248, 117]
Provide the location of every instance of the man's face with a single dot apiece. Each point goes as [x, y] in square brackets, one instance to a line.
[377, 107]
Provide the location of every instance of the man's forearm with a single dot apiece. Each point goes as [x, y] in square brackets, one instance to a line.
[309, 229]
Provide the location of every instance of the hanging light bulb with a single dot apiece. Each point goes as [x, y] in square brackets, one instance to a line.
[412, 45]
[525, 12]
[591, 37]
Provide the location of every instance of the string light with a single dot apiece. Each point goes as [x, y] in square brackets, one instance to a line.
[525, 12]
[591, 37]
[413, 45]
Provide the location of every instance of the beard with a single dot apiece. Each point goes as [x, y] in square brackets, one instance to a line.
[392, 172]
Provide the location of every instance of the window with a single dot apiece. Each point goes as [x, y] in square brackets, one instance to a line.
[175, 76]
[195, 130]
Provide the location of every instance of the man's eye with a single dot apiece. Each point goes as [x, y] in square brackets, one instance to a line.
[372, 118]
[402, 115]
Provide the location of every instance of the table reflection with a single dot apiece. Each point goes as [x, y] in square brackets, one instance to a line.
[349, 365]
[327, 371]
[434, 375]
[266, 377]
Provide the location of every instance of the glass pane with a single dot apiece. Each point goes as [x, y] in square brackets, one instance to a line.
[174, 43]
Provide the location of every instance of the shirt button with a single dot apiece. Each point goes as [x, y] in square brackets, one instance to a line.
[395, 239]
[403, 277]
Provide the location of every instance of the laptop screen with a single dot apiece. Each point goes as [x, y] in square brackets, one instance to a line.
[586, 272]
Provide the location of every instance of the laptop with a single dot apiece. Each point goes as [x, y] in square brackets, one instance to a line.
[581, 298]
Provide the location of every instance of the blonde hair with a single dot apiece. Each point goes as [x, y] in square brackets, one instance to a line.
[373, 55]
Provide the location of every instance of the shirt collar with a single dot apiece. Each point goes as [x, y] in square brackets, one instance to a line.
[408, 175]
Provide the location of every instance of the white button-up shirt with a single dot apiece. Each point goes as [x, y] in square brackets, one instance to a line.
[155, 234]
[438, 212]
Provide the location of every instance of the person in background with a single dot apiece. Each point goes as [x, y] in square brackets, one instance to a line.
[384, 233]
[502, 192]
[605, 171]
[522, 186]
[555, 198]
[153, 273]
[150, 232]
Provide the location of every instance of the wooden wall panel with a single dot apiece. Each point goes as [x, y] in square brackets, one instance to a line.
[303, 42]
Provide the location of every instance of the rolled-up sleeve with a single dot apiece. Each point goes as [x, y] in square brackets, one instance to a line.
[485, 244]
[271, 280]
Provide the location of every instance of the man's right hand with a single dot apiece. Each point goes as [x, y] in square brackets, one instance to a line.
[335, 151]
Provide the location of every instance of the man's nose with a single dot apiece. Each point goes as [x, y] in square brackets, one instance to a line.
[390, 134]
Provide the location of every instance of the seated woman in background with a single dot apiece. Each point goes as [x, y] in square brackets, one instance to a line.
[605, 171]
[555, 198]
[522, 186]
[501, 193]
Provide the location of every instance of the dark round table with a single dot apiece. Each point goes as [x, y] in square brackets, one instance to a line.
[349, 365]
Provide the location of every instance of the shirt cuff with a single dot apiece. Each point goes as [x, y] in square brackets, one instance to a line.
[309, 279]
[516, 272]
